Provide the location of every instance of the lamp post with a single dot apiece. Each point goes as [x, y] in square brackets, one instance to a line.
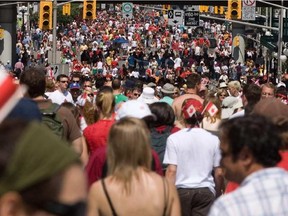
[23, 10]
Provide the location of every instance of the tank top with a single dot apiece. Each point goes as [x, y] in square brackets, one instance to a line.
[166, 195]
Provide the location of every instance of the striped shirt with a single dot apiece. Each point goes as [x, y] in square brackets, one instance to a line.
[264, 192]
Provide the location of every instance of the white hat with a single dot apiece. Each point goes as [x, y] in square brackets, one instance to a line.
[148, 96]
[229, 104]
[223, 85]
[133, 108]
[281, 84]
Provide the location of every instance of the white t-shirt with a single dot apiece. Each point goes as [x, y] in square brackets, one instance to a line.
[60, 97]
[195, 152]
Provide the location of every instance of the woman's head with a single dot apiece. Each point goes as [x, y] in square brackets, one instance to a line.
[128, 147]
[222, 93]
[105, 103]
[38, 172]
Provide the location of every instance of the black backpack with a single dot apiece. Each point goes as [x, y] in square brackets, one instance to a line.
[51, 119]
[158, 142]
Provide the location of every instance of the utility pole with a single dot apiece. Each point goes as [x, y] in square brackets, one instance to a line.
[280, 47]
[54, 44]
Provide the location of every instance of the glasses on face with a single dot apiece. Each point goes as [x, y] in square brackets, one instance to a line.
[136, 94]
[91, 95]
[76, 81]
[86, 86]
[64, 81]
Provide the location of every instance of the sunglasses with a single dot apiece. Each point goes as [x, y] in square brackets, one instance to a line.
[86, 86]
[76, 81]
[137, 95]
[66, 81]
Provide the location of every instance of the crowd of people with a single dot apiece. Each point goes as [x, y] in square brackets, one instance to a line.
[176, 129]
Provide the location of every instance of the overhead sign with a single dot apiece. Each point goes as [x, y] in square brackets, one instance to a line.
[127, 10]
[191, 18]
[175, 17]
[249, 10]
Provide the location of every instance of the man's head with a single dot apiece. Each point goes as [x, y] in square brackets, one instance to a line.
[35, 80]
[268, 90]
[193, 81]
[62, 81]
[248, 144]
[251, 95]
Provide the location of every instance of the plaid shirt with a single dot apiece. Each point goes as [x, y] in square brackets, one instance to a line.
[264, 192]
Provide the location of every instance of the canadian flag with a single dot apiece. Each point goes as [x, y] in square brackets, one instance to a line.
[211, 108]
[10, 94]
[190, 111]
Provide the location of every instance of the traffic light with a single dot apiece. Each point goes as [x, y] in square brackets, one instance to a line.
[166, 7]
[45, 15]
[234, 9]
[89, 9]
[66, 9]
[204, 9]
[218, 10]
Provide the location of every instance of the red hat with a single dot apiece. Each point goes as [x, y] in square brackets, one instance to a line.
[190, 107]
[10, 94]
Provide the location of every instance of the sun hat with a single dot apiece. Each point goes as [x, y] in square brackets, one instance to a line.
[168, 88]
[148, 96]
[222, 85]
[229, 104]
[151, 84]
[133, 108]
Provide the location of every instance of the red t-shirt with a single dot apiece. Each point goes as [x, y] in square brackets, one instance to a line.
[96, 134]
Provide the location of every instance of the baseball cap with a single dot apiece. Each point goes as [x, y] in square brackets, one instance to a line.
[74, 86]
[190, 107]
[133, 108]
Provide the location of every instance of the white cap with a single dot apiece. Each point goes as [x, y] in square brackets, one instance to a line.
[133, 108]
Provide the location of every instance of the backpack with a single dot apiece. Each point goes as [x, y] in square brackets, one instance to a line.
[158, 142]
[51, 119]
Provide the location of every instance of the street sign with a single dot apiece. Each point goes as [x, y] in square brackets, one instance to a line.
[191, 18]
[249, 10]
[127, 10]
[175, 17]
[268, 44]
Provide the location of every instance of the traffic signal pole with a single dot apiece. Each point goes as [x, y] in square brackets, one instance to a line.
[54, 44]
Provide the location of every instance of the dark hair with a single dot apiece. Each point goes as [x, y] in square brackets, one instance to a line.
[164, 113]
[34, 78]
[116, 84]
[256, 133]
[61, 76]
[193, 80]
[252, 93]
